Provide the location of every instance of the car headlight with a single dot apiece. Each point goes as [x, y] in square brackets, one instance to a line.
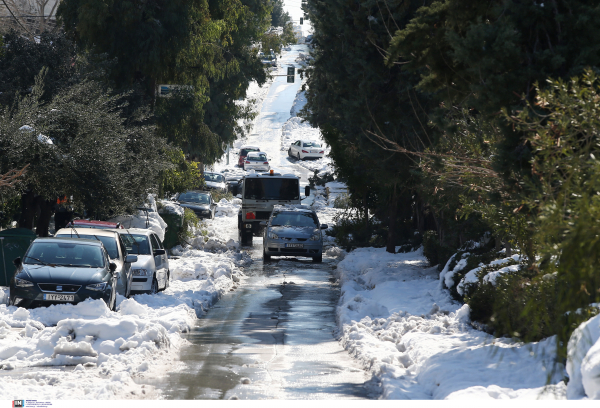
[272, 235]
[315, 237]
[205, 211]
[22, 283]
[99, 287]
[141, 272]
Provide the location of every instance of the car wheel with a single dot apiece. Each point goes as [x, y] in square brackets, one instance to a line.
[289, 151]
[265, 256]
[168, 279]
[299, 158]
[154, 287]
[246, 238]
[318, 258]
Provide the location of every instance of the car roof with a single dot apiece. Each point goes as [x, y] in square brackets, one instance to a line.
[105, 224]
[256, 153]
[87, 231]
[138, 231]
[196, 191]
[275, 175]
[308, 140]
[249, 147]
[85, 241]
[213, 172]
[293, 208]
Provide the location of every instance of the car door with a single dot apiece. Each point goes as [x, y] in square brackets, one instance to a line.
[159, 260]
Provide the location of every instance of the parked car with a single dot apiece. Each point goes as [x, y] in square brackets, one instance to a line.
[114, 247]
[234, 184]
[293, 230]
[63, 270]
[244, 152]
[256, 161]
[306, 149]
[94, 224]
[200, 202]
[215, 181]
[151, 272]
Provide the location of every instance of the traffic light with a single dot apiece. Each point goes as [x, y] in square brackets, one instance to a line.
[291, 75]
[301, 20]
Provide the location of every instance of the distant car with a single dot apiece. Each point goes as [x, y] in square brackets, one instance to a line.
[151, 272]
[256, 161]
[293, 230]
[200, 202]
[63, 270]
[215, 181]
[244, 152]
[306, 149]
[116, 252]
[234, 184]
[94, 224]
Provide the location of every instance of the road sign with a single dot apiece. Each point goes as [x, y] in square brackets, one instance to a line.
[291, 71]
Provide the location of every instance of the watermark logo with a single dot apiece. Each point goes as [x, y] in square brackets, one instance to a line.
[18, 403]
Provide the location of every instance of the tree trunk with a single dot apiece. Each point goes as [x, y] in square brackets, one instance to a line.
[28, 209]
[43, 221]
[393, 215]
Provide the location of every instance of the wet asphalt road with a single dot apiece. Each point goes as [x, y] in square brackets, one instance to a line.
[273, 338]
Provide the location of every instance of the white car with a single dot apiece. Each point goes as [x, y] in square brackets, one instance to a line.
[114, 247]
[306, 149]
[215, 181]
[256, 161]
[151, 271]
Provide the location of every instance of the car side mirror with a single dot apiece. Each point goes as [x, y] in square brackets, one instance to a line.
[131, 258]
[17, 262]
[159, 252]
[307, 190]
[324, 226]
[263, 223]
[112, 266]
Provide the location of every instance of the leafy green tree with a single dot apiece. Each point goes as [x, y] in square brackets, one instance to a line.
[201, 44]
[182, 176]
[279, 17]
[352, 95]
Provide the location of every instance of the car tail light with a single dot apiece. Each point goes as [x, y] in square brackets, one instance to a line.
[247, 162]
[322, 152]
[304, 151]
[266, 163]
[250, 216]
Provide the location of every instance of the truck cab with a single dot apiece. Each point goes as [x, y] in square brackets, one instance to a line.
[260, 192]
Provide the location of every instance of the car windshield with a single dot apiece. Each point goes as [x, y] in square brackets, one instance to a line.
[110, 243]
[65, 254]
[217, 178]
[294, 219]
[311, 144]
[136, 244]
[258, 157]
[191, 197]
[271, 189]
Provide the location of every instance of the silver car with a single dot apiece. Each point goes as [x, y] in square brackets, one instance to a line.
[293, 230]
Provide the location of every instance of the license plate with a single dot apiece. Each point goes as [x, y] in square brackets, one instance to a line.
[294, 245]
[60, 298]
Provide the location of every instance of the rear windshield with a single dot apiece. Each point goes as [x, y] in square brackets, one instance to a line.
[65, 254]
[136, 244]
[294, 219]
[217, 178]
[244, 152]
[271, 189]
[311, 144]
[260, 157]
[110, 243]
[200, 198]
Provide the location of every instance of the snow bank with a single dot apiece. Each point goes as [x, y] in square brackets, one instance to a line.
[150, 219]
[396, 319]
[583, 361]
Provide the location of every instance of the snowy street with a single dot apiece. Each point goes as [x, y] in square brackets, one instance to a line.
[361, 325]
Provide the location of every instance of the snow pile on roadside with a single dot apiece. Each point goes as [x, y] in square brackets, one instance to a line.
[108, 349]
[583, 362]
[397, 320]
[145, 220]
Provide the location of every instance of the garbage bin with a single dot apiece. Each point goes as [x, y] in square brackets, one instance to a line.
[174, 225]
[13, 244]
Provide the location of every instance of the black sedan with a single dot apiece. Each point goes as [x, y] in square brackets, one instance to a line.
[63, 270]
[200, 202]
